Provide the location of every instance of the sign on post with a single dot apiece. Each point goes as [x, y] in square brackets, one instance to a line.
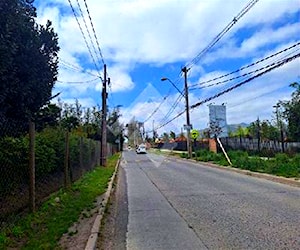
[194, 134]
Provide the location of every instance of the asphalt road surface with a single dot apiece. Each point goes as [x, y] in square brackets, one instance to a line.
[164, 203]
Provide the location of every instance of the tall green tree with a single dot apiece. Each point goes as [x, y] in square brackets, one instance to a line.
[28, 62]
[292, 113]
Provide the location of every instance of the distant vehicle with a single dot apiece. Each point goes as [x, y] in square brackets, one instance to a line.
[141, 149]
[129, 148]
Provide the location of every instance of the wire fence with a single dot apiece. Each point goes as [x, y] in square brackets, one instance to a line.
[59, 158]
[267, 147]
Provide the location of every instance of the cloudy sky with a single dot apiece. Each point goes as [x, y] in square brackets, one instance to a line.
[142, 41]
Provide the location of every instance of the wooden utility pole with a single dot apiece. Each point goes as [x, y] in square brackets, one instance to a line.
[187, 109]
[104, 112]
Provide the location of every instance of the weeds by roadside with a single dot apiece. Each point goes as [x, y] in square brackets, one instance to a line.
[281, 164]
[43, 229]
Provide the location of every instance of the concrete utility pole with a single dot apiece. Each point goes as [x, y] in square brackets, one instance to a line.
[103, 155]
[187, 109]
[279, 125]
[188, 125]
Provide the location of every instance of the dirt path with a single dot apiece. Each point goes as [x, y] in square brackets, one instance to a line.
[78, 234]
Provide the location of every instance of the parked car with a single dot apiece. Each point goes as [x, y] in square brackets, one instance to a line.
[141, 149]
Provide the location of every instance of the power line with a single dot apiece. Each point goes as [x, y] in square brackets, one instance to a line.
[87, 29]
[73, 67]
[222, 33]
[278, 64]
[172, 109]
[155, 110]
[83, 35]
[79, 82]
[219, 36]
[254, 98]
[237, 77]
[244, 67]
[96, 38]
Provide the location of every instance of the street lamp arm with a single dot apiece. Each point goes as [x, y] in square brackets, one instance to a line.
[167, 79]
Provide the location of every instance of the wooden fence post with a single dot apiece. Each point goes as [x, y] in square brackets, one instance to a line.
[67, 178]
[31, 166]
[81, 155]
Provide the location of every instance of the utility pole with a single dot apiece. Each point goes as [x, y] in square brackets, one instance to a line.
[187, 109]
[103, 155]
[279, 125]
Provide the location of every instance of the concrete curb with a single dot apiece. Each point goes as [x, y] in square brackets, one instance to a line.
[274, 178]
[92, 241]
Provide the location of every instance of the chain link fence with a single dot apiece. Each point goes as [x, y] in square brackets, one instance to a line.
[59, 156]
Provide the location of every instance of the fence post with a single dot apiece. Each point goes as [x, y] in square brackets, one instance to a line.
[98, 154]
[81, 155]
[67, 160]
[31, 166]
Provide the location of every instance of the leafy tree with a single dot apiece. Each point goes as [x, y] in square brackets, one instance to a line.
[263, 129]
[172, 135]
[47, 116]
[165, 137]
[292, 113]
[28, 62]
[114, 127]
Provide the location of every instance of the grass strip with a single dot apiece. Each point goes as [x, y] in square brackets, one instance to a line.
[43, 229]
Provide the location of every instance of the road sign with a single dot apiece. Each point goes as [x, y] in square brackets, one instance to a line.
[194, 134]
[186, 127]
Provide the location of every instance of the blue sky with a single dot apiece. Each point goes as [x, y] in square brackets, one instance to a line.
[143, 41]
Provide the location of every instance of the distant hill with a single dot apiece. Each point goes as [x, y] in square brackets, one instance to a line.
[234, 127]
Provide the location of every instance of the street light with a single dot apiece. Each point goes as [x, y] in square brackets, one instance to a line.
[167, 79]
[187, 109]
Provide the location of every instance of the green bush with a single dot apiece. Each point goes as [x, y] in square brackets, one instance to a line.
[183, 155]
[285, 166]
[281, 165]
[13, 162]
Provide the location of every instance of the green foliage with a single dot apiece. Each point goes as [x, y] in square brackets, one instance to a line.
[206, 155]
[26, 84]
[13, 162]
[263, 129]
[47, 116]
[183, 155]
[43, 229]
[281, 165]
[172, 135]
[49, 155]
[292, 113]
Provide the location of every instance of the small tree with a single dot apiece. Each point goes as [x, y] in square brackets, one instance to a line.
[172, 135]
[292, 113]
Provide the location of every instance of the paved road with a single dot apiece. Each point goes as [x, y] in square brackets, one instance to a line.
[172, 204]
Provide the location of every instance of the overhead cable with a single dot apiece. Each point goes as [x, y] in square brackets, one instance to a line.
[96, 38]
[237, 77]
[222, 33]
[79, 82]
[73, 67]
[87, 29]
[278, 64]
[83, 35]
[244, 67]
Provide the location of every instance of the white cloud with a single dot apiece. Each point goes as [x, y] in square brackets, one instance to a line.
[166, 31]
[269, 36]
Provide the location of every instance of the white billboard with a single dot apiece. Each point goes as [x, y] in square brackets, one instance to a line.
[217, 120]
